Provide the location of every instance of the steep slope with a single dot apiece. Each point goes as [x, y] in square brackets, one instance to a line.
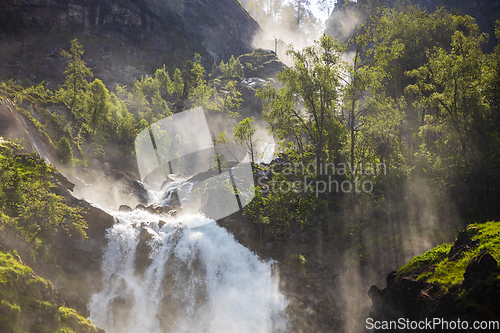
[150, 32]
[30, 304]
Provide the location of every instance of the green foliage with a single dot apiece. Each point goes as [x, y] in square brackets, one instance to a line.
[42, 212]
[244, 135]
[29, 303]
[451, 272]
[418, 96]
[232, 69]
[65, 151]
[177, 85]
[298, 261]
[25, 197]
[160, 105]
[450, 84]
[76, 84]
[306, 106]
[232, 99]
[431, 257]
[163, 81]
[205, 96]
[98, 105]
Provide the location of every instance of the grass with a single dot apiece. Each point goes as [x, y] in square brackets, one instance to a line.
[448, 273]
[429, 258]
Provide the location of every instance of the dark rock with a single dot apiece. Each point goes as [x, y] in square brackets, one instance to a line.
[172, 198]
[480, 268]
[167, 182]
[463, 243]
[142, 252]
[171, 210]
[391, 277]
[216, 29]
[140, 207]
[375, 293]
[415, 300]
[137, 188]
[161, 223]
[139, 191]
[64, 181]
[124, 208]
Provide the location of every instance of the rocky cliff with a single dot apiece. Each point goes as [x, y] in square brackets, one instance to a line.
[151, 32]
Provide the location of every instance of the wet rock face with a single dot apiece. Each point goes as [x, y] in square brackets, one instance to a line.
[79, 260]
[222, 27]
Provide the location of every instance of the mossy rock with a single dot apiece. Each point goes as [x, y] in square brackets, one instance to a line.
[261, 63]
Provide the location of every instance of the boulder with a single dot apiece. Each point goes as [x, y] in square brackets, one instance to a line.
[135, 187]
[142, 260]
[140, 207]
[463, 243]
[125, 208]
[480, 268]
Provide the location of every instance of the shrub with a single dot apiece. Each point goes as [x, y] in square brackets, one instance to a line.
[65, 151]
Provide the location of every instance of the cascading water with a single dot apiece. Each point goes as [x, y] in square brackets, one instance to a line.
[167, 275]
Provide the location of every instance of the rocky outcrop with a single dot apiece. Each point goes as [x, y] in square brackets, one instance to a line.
[79, 260]
[476, 298]
[261, 63]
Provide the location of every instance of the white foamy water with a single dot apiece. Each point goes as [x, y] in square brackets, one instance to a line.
[181, 278]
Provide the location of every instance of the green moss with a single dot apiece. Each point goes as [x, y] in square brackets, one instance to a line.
[428, 258]
[448, 273]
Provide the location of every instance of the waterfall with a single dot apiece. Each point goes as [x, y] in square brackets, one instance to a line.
[183, 274]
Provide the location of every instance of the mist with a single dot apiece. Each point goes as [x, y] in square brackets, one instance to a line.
[281, 29]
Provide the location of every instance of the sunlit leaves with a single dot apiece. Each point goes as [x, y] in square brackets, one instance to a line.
[25, 196]
[76, 73]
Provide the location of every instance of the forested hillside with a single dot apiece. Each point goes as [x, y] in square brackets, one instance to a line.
[387, 144]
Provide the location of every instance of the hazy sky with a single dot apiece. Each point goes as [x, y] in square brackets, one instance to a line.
[319, 14]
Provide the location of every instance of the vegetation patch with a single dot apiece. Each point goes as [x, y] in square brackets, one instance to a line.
[449, 272]
[261, 63]
[30, 304]
[27, 201]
